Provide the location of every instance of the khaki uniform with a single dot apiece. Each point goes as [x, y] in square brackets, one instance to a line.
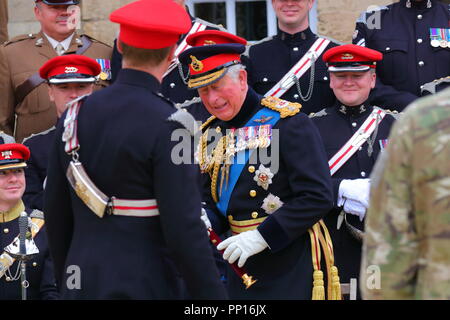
[3, 21]
[19, 59]
[408, 223]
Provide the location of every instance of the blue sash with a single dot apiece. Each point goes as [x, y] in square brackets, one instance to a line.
[241, 158]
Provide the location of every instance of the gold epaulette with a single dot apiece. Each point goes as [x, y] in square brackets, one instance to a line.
[284, 107]
[20, 38]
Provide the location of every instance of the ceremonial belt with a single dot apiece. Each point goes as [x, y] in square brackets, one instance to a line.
[85, 188]
[244, 225]
[35, 80]
[298, 69]
[6, 261]
[243, 157]
[196, 27]
[357, 140]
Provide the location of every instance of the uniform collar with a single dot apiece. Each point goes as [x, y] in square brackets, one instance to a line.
[417, 5]
[12, 213]
[138, 78]
[65, 43]
[304, 35]
[354, 111]
[249, 107]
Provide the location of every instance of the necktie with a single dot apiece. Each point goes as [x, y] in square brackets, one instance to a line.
[59, 49]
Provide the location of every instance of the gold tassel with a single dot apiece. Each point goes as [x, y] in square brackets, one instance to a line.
[335, 284]
[318, 292]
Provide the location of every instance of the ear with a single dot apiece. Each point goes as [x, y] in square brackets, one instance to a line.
[37, 13]
[171, 53]
[50, 93]
[119, 45]
[243, 78]
[373, 80]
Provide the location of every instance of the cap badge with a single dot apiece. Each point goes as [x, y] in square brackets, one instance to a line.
[347, 56]
[208, 42]
[7, 154]
[196, 64]
[71, 70]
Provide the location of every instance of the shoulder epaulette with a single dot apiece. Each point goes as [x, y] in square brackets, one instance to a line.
[20, 38]
[321, 113]
[187, 103]
[38, 214]
[7, 138]
[185, 119]
[94, 40]
[284, 107]
[38, 134]
[210, 24]
[251, 44]
[393, 113]
[363, 16]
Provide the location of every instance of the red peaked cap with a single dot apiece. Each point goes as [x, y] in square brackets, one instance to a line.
[350, 57]
[70, 68]
[13, 156]
[151, 24]
[211, 53]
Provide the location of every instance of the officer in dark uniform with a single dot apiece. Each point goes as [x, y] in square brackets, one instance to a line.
[39, 271]
[352, 153]
[414, 37]
[64, 86]
[270, 59]
[268, 203]
[173, 86]
[146, 240]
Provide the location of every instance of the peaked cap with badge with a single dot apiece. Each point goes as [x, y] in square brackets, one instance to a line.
[13, 156]
[352, 58]
[70, 68]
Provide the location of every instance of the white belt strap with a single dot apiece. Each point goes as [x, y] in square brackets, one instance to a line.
[196, 27]
[134, 208]
[357, 140]
[298, 69]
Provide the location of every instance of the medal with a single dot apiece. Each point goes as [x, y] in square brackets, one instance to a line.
[103, 76]
[434, 38]
[443, 42]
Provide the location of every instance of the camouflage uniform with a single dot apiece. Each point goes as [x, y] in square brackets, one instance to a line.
[408, 223]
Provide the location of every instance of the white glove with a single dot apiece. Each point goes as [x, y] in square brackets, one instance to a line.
[205, 219]
[356, 189]
[355, 208]
[242, 246]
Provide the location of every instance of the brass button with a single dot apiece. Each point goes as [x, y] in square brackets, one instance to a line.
[218, 130]
[254, 214]
[6, 230]
[34, 264]
[252, 193]
[251, 169]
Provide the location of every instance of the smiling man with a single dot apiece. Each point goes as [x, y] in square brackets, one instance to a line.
[268, 203]
[352, 154]
[285, 55]
[25, 107]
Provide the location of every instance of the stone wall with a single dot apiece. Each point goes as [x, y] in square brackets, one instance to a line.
[336, 18]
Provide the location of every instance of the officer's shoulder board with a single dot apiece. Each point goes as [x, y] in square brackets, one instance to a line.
[210, 24]
[38, 134]
[318, 114]
[251, 44]
[20, 38]
[284, 107]
[371, 10]
[38, 214]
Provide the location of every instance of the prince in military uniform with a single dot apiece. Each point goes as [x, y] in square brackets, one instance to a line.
[25, 107]
[354, 133]
[39, 271]
[138, 235]
[414, 37]
[268, 204]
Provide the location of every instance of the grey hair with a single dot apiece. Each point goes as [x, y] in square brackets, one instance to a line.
[233, 71]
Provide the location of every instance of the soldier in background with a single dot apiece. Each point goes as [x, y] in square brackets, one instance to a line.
[25, 107]
[408, 223]
[273, 59]
[414, 37]
[3, 21]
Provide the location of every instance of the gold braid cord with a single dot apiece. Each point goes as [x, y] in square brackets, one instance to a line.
[321, 242]
[218, 155]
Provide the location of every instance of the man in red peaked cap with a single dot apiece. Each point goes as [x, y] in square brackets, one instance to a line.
[354, 133]
[147, 225]
[68, 77]
[39, 271]
[267, 202]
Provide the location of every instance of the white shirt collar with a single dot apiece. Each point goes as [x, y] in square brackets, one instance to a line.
[65, 43]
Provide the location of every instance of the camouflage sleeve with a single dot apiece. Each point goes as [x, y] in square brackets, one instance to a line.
[389, 261]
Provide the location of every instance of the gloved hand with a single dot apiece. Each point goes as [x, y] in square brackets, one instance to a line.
[355, 189]
[205, 219]
[355, 208]
[242, 246]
